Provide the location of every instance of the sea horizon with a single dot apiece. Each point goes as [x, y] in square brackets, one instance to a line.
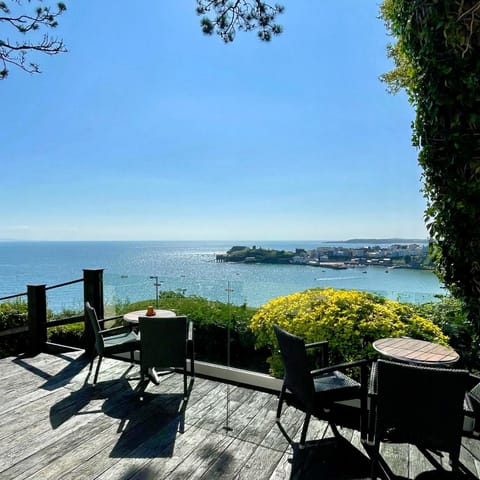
[189, 266]
[369, 241]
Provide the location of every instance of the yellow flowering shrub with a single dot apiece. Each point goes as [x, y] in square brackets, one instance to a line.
[350, 320]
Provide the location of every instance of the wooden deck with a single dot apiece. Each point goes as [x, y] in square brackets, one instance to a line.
[55, 425]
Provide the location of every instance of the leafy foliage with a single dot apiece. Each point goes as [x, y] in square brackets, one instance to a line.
[450, 315]
[20, 24]
[13, 314]
[214, 322]
[225, 17]
[350, 320]
[72, 335]
[437, 61]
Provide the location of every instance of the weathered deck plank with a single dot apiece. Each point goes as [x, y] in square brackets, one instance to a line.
[55, 425]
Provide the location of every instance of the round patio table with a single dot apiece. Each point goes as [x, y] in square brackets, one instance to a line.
[132, 317]
[415, 351]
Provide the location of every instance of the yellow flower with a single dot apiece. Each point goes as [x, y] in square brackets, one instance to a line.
[350, 320]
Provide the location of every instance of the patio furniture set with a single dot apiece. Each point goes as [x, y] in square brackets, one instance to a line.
[411, 396]
[164, 340]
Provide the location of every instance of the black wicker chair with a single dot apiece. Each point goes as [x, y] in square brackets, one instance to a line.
[167, 344]
[419, 405]
[317, 392]
[111, 342]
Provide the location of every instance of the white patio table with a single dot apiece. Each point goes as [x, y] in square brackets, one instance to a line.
[132, 317]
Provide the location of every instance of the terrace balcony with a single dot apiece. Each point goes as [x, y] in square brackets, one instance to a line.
[54, 424]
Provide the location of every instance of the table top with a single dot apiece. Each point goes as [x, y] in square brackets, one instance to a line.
[132, 317]
[415, 351]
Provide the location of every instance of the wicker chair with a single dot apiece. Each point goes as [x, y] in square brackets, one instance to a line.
[111, 342]
[316, 392]
[419, 405]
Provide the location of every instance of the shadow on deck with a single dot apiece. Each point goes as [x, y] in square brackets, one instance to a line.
[55, 425]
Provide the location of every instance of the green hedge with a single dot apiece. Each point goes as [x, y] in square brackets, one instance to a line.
[212, 320]
[350, 320]
[450, 315]
[13, 314]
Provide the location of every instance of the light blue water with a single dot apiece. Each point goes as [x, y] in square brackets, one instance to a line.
[191, 267]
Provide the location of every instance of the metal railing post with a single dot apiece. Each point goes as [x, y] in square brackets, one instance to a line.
[92, 293]
[37, 318]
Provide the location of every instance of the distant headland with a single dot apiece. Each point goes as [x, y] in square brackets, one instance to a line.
[383, 241]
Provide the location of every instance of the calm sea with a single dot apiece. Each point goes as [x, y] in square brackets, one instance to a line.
[189, 267]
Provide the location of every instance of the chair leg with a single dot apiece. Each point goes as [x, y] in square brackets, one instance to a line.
[279, 412]
[185, 390]
[185, 378]
[97, 369]
[280, 402]
[303, 436]
[455, 464]
[364, 427]
[375, 452]
[90, 368]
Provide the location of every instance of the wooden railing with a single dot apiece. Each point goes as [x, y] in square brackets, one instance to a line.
[37, 324]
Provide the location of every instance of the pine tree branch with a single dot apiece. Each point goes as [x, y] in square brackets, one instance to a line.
[226, 17]
[14, 53]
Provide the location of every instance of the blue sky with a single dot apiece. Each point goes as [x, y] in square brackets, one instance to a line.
[148, 129]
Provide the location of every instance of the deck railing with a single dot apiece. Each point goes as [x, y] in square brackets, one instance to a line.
[36, 319]
[37, 325]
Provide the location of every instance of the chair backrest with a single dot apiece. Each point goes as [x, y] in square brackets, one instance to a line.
[297, 371]
[163, 342]
[92, 316]
[423, 405]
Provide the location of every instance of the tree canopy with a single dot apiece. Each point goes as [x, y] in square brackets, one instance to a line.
[25, 26]
[225, 17]
[24, 34]
[437, 61]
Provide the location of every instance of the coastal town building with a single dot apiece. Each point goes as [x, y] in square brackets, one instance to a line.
[412, 255]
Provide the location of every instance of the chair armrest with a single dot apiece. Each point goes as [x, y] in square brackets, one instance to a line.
[116, 317]
[190, 331]
[468, 408]
[190, 347]
[115, 330]
[340, 366]
[372, 384]
[321, 344]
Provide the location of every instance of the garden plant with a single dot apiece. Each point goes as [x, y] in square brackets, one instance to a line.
[350, 320]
